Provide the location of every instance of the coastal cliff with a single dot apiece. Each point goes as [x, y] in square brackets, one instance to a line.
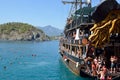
[21, 32]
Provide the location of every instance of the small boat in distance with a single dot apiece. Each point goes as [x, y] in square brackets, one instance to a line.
[90, 46]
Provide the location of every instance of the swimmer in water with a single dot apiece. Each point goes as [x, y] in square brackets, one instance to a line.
[5, 67]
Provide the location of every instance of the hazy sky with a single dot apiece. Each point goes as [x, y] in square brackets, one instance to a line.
[36, 12]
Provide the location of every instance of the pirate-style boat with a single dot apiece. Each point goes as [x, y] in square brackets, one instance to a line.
[91, 43]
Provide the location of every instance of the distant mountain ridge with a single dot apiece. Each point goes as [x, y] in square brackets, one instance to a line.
[51, 31]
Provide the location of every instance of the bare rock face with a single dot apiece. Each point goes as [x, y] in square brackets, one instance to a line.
[21, 32]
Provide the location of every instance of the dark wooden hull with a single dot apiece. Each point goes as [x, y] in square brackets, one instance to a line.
[71, 64]
[70, 61]
[85, 74]
[117, 77]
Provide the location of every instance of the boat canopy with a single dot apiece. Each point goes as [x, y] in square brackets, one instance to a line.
[103, 10]
[85, 11]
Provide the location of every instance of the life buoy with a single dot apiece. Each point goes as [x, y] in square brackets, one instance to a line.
[84, 41]
[65, 59]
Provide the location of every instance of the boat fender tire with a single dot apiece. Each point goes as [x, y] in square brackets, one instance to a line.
[77, 64]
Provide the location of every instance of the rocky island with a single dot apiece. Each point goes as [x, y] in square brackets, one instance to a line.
[21, 32]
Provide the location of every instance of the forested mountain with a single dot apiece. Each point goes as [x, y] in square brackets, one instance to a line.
[21, 31]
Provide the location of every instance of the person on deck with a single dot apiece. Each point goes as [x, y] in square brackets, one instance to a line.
[78, 53]
[89, 50]
[94, 70]
[103, 73]
[96, 62]
[74, 35]
[109, 77]
[113, 60]
[88, 62]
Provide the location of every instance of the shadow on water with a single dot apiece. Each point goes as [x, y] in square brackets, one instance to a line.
[66, 74]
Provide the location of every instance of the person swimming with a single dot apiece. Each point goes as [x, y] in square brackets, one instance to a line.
[4, 67]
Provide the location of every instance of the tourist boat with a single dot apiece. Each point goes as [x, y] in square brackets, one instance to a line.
[90, 46]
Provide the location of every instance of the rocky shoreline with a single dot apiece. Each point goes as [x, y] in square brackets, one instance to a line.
[27, 36]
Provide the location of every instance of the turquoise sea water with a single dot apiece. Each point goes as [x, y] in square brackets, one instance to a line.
[32, 61]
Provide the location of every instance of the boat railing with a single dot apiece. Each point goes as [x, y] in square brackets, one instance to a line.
[66, 45]
[72, 42]
[75, 23]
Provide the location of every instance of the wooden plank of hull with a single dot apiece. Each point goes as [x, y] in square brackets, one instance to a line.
[72, 67]
[116, 76]
[84, 74]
